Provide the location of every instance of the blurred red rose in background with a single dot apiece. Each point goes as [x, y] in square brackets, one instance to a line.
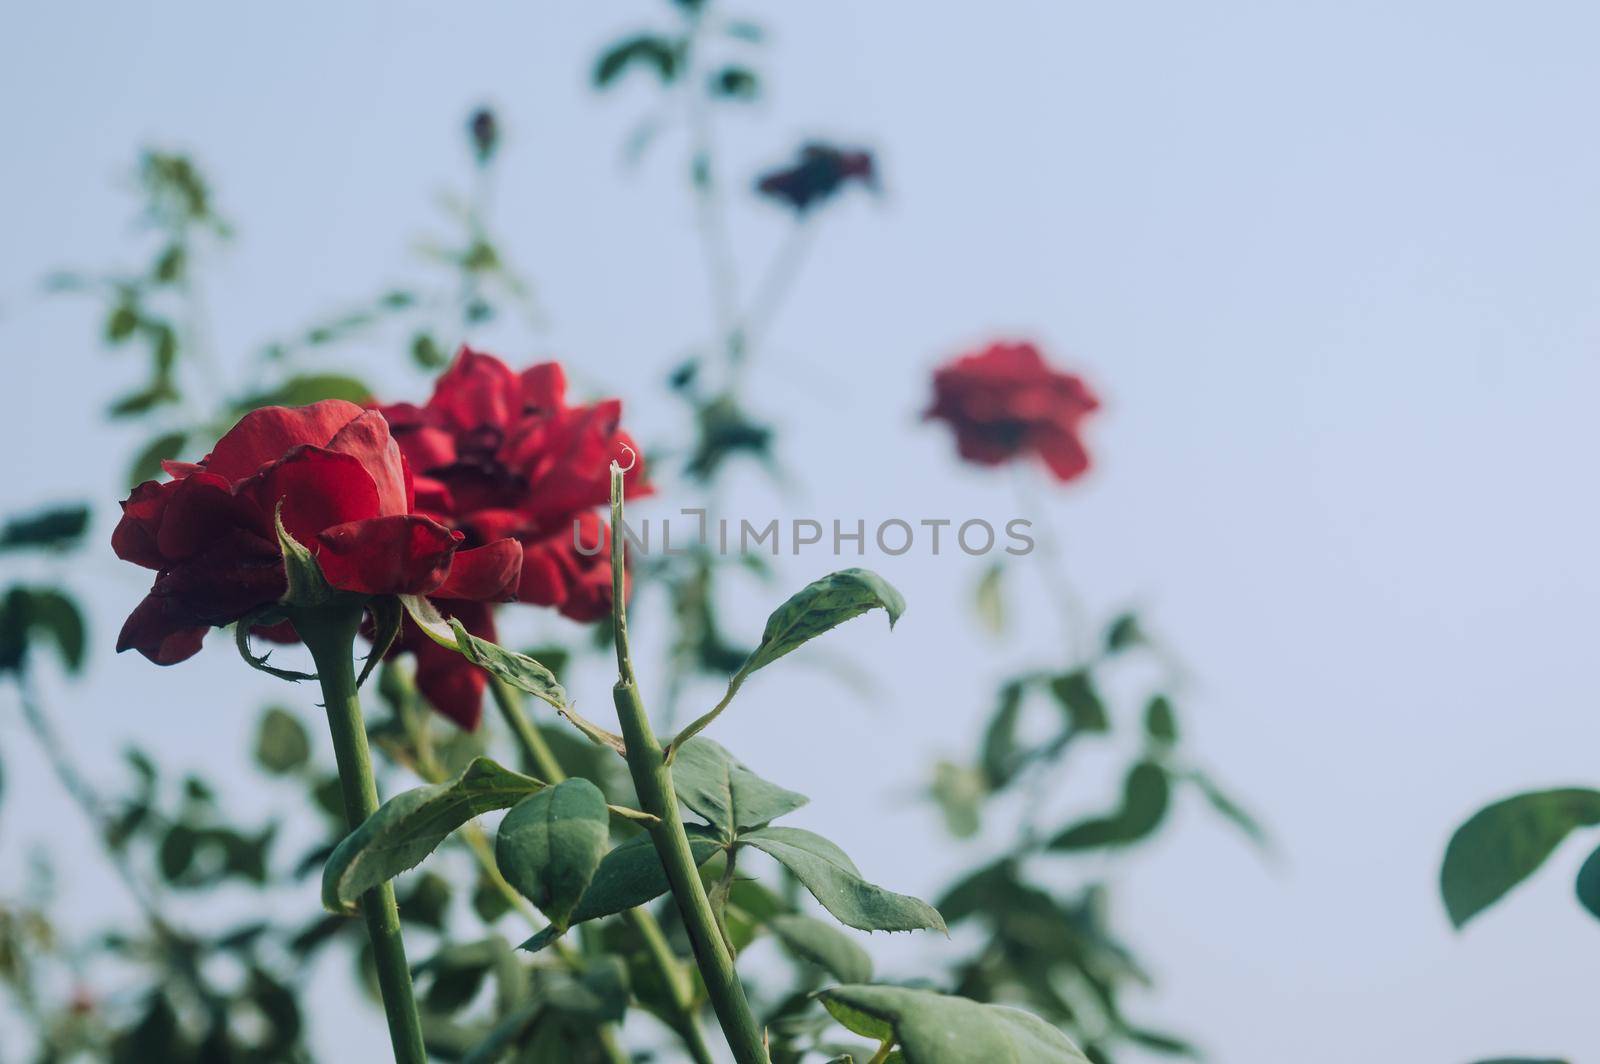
[1006, 402]
[345, 493]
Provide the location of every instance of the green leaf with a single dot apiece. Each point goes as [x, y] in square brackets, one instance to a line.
[56, 528]
[936, 1028]
[307, 389]
[959, 792]
[735, 83]
[1231, 810]
[658, 53]
[990, 600]
[1000, 755]
[518, 670]
[28, 613]
[1160, 722]
[817, 607]
[282, 745]
[1588, 884]
[833, 879]
[147, 463]
[306, 586]
[629, 876]
[710, 781]
[409, 826]
[823, 945]
[1123, 632]
[1078, 696]
[1502, 844]
[1145, 795]
[387, 617]
[551, 843]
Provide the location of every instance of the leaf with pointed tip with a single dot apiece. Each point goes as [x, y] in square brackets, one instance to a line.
[814, 609]
[714, 784]
[630, 875]
[823, 945]
[550, 844]
[933, 1028]
[833, 879]
[410, 826]
[306, 585]
[1504, 843]
[387, 617]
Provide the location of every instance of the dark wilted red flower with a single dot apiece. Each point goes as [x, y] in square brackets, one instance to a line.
[1006, 401]
[817, 174]
[500, 455]
[345, 493]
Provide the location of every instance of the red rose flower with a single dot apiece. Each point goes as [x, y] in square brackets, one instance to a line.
[345, 493]
[500, 456]
[1005, 402]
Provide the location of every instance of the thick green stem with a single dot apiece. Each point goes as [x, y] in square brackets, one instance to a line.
[541, 761]
[329, 632]
[652, 779]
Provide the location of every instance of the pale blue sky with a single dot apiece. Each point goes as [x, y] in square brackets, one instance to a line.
[1334, 267]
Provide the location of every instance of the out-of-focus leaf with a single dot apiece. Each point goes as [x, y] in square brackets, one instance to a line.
[307, 389]
[735, 83]
[1081, 700]
[823, 945]
[1000, 755]
[147, 463]
[647, 50]
[959, 792]
[1588, 884]
[1160, 722]
[1145, 796]
[29, 613]
[282, 744]
[989, 598]
[1231, 810]
[1503, 843]
[1123, 632]
[56, 528]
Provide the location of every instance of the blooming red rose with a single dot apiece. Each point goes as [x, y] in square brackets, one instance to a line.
[500, 456]
[345, 493]
[1005, 402]
[818, 173]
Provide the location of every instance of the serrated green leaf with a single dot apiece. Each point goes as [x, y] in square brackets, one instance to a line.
[833, 879]
[823, 945]
[409, 826]
[819, 606]
[1504, 843]
[551, 843]
[1146, 793]
[714, 784]
[933, 1028]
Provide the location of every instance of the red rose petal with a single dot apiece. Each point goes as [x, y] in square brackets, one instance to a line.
[157, 629]
[367, 439]
[485, 574]
[318, 489]
[403, 554]
[263, 436]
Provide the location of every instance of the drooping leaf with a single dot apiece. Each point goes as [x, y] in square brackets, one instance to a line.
[1503, 843]
[833, 879]
[823, 945]
[282, 745]
[710, 781]
[409, 826]
[1000, 755]
[933, 1028]
[647, 50]
[56, 528]
[28, 613]
[1146, 793]
[551, 843]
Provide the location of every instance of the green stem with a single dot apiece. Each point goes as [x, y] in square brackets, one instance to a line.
[329, 632]
[883, 1052]
[652, 779]
[541, 761]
